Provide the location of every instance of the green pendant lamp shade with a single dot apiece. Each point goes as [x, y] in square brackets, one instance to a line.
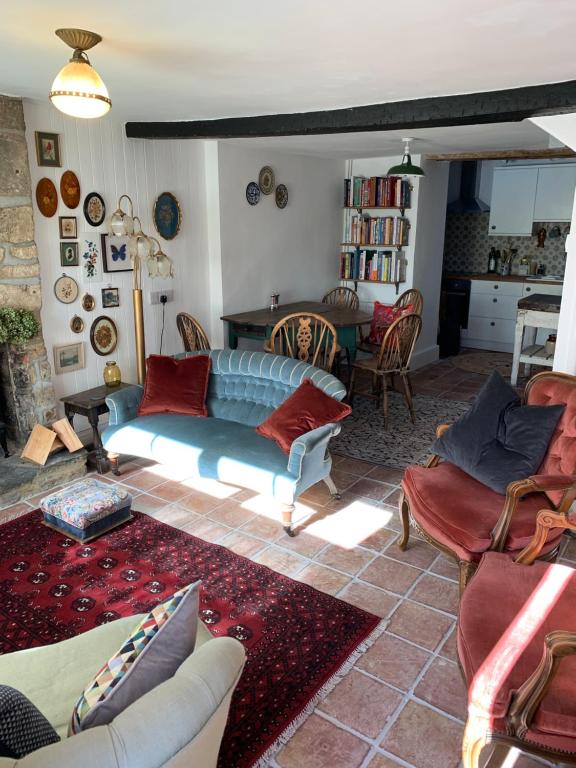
[406, 167]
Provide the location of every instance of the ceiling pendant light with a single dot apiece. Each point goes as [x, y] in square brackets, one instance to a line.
[406, 167]
[78, 89]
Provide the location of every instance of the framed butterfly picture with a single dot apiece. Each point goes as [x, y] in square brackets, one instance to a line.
[115, 254]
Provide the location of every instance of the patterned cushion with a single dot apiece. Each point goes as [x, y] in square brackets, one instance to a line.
[23, 728]
[151, 654]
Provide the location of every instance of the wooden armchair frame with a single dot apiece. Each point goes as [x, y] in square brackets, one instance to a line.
[305, 336]
[527, 699]
[515, 491]
[193, 335]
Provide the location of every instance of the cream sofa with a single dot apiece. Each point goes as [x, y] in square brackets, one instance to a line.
[178, 724]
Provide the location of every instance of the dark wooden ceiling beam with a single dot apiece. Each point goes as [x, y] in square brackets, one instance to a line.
[506, 154]
[506, 106]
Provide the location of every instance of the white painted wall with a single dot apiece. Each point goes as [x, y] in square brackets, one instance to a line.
[107, 162]
[294, 250]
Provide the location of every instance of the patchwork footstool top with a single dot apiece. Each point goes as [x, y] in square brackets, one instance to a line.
[86, 508]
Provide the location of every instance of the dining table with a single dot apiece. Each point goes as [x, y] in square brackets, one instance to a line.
[258, 323]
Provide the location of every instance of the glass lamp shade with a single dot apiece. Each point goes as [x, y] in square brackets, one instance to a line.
[121, 223]
[78, 90]
[406, 168]
[159, 265]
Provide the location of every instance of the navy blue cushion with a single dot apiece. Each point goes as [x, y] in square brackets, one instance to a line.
[499, 440]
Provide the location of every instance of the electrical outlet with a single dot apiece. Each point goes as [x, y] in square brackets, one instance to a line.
[154, 296]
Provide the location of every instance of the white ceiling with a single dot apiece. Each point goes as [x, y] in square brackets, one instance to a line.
[185, 59]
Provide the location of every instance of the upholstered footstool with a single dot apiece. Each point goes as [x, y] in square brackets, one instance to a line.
[86, 509]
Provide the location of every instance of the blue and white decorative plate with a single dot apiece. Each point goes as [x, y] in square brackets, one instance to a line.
[253, 193]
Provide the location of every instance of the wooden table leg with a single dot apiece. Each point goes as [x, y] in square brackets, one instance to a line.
[518, 337]
[101, 461]
[232, 337]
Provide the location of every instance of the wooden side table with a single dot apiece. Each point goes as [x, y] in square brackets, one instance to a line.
[537, 311]
[92, 404]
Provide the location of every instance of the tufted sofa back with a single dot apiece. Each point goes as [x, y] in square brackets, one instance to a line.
[550, 388]
[247, 386]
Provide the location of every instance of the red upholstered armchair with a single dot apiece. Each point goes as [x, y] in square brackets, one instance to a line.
[464, 518]
[517, 650]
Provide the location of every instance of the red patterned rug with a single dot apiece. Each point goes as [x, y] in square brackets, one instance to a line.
[52, 588]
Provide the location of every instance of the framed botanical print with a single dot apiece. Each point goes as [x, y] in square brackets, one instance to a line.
[115, 254]
[69, 254]
[91, 259]
[94, 209]
[103, 335]
[110, 297]
[68, 227]
[48, 149]
[69, 357]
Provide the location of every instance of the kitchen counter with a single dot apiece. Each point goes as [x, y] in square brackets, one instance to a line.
[503, 278]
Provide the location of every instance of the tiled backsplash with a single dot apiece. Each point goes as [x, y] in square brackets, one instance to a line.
[467, 244]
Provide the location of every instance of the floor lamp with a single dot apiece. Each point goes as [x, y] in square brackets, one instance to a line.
[141, 249]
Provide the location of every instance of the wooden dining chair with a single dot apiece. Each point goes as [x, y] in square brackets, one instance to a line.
[305, 336]
[192, 333]
[409, 301]
[342, 297]
[392, 358]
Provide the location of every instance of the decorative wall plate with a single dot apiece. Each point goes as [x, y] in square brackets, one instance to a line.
[70, 189]
[253, 193]
[103, 335]
[167, 215]
[66, 289]
[94, 209]
[77, 324]
[46, 197]
[266, 180]
[88, 302]
[281, 196]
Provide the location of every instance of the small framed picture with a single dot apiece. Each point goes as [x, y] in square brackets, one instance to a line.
[68, 227]
[69, 357]
[115, 254]
[69, 255]
[110, 297]
[48, 149]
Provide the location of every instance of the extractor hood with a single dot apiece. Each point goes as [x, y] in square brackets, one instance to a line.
[469, 200]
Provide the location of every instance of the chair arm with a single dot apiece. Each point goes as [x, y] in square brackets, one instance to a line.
[434, 459]
[533, 484]
[313, 442]
[124, 404]
[545, 522]
[557, 645]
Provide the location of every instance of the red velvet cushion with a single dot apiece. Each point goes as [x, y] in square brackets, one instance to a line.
[383, 317]
[175, 386]
[306, 409]
[511, 608]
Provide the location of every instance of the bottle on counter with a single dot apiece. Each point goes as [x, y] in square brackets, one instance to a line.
[492, 260]
[524, 268]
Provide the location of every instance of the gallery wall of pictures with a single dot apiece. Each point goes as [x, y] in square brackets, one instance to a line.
[86, 275]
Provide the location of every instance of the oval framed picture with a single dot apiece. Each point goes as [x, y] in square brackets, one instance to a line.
[281, 196]
[70, 189]
[253, 193]
[103, 335]
[94, 209]
[46, 197]
[167, 215]
[66, 289]
[76, 324]
[88, 302]
[266, 180]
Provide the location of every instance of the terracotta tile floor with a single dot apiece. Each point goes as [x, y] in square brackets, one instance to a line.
[403, 703]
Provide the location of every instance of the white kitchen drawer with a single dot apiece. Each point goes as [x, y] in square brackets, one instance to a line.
[486, 329]
[496, 287]
[549, 290]
[493, 305]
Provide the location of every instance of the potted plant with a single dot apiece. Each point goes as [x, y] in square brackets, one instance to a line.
[17, 325]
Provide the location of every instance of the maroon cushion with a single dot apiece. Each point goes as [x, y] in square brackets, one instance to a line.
[505, 613]
[175, 386]
[306, 409]
[460, 512]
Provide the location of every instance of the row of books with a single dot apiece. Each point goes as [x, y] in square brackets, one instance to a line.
[375, 230]
[383, 191]
[385, 266]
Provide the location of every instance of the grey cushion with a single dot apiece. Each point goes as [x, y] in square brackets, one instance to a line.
[499, 440]
[23, 728]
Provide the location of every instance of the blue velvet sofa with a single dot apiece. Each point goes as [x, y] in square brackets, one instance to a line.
[244, 389]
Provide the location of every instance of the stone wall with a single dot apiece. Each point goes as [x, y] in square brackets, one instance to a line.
[25, 374]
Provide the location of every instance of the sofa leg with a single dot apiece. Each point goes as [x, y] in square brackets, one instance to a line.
[405, 517]
[332, 487]
[114, 458]
[466, 571]
[287, 519]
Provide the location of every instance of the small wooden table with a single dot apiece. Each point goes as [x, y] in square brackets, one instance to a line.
[258, 323]
[92, 404]
[537, 311]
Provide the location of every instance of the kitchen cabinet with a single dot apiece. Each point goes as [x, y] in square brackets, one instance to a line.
[512, 202]
[555, 193]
